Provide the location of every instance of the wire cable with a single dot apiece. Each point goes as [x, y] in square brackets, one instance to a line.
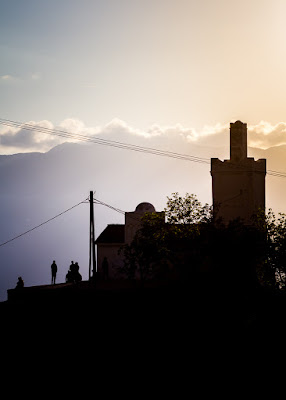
[96, 201]
[43, 223]
[126, 146]
[132, 215]
[100, 141]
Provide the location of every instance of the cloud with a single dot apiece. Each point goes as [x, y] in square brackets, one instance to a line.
[210, 136]
[118, 128]
[25, 140]
[5, 79]
[265, 135]
[13, 79]
[76, 126]
[21, 139]
[176, 130]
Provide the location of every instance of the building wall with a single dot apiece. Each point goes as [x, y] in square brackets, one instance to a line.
[132, 224]
[110, 250]
[115, 260]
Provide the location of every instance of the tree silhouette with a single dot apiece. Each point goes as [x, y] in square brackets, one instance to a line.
[194, 248]
[272, 250]
[187, 210]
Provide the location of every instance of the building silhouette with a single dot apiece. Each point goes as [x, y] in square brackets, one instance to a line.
[115, 236]
[238, 189]
[238, 184]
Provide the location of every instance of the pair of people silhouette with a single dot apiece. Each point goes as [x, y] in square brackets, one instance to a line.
[73, 274]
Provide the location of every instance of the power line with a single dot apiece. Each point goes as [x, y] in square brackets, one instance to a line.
[276, 173]
[96, 201]
[100, 141]
[121, 145]
[43, 223]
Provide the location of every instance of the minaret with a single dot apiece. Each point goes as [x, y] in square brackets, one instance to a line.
[238, 141]
[238, 184]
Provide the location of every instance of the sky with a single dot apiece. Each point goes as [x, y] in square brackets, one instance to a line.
[193, 64]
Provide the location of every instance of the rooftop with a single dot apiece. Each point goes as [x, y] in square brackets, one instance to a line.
[113, 233]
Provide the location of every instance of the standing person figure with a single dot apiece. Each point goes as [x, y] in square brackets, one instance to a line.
[54, 270]
[20, 283]
[105, 268]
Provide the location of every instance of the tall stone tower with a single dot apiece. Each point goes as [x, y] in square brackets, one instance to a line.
[238, 184]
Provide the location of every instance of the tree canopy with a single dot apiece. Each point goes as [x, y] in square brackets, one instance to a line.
[162, 243]
[188, 243]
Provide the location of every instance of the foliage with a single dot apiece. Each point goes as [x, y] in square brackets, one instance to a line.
[272, 267]
[192, 244]
[187, 210]
[157, 245]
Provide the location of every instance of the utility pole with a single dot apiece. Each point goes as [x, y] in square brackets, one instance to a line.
[92, 261]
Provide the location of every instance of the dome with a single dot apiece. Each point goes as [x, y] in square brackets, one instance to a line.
[237, 124]
[145, 207]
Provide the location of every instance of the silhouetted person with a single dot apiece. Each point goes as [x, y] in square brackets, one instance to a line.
[54, 269]
[20, 283]
[72, 267]
[76, 267]
[73, 274]
[78, 276]
[105, 268]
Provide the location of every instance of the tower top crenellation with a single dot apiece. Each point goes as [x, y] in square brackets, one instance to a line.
[238, 141]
